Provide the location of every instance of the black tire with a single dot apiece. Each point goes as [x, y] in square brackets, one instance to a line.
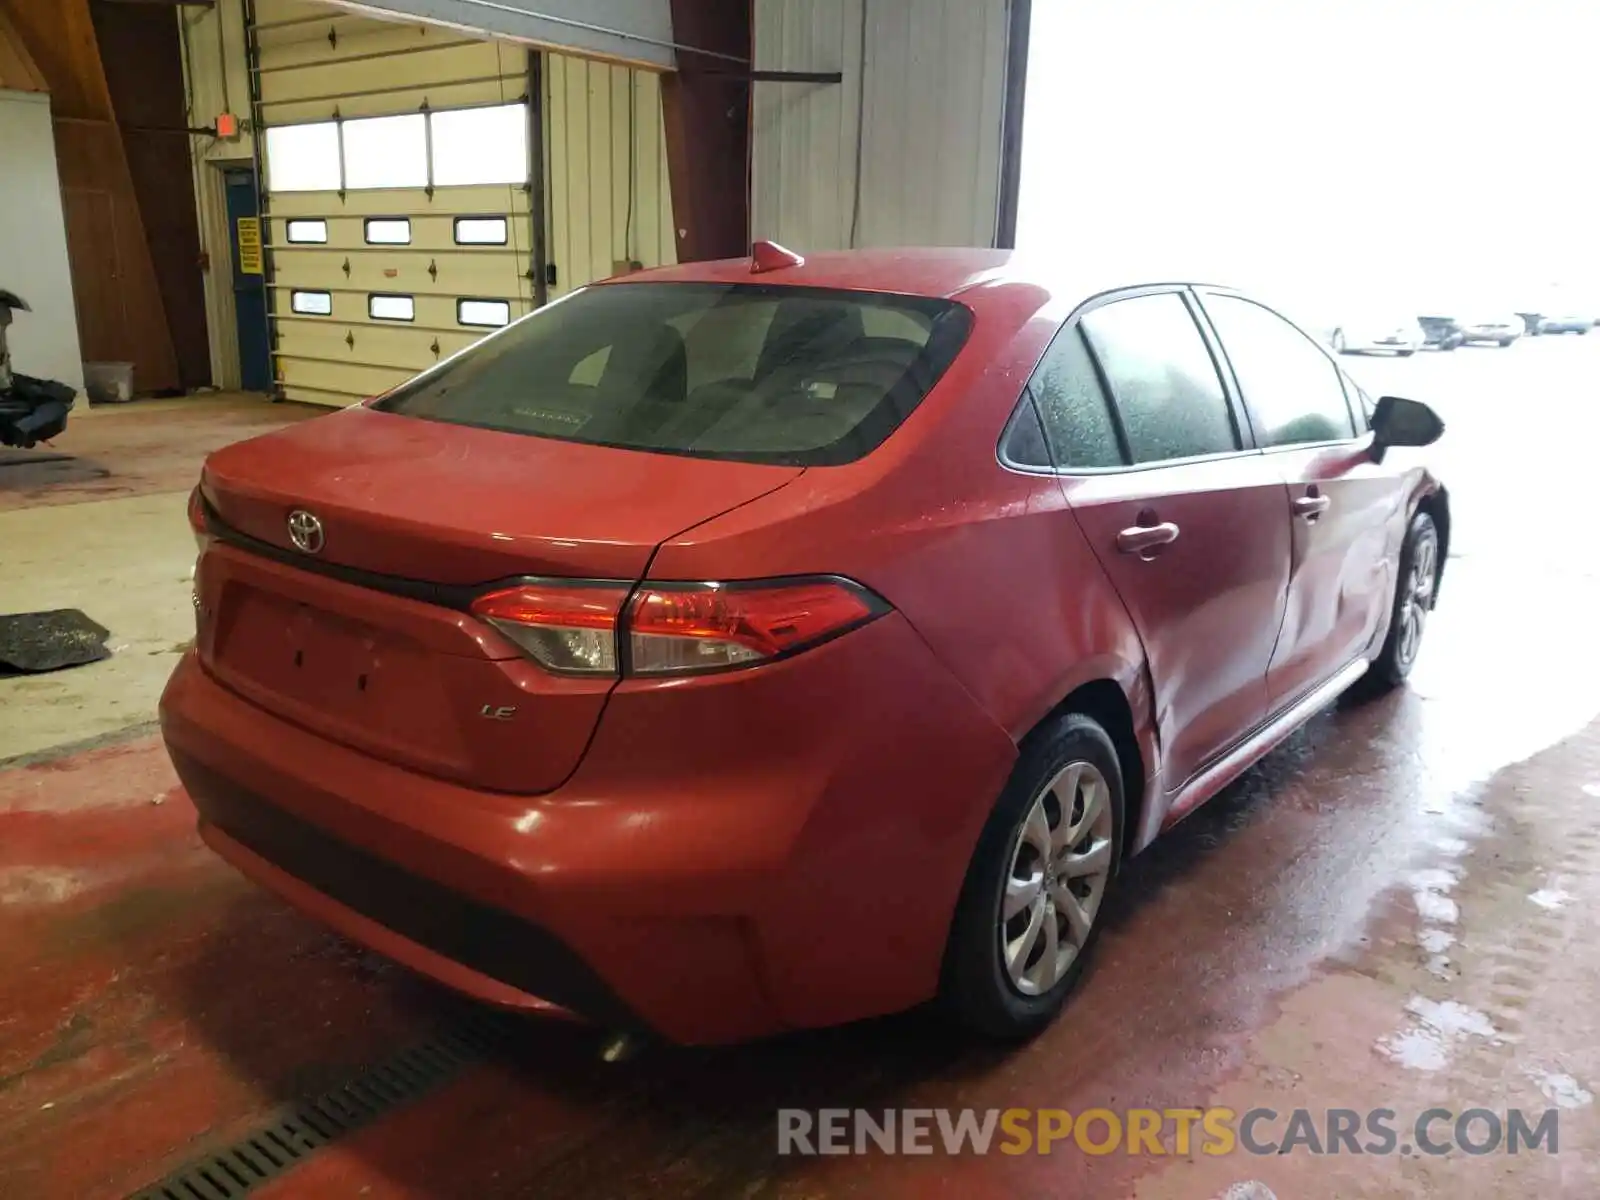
[1404, 353]
[976, 987]
[1394, 662]
[1504, 342]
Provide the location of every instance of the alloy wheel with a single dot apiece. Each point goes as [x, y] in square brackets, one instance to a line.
[1417, 596]
[1061, 861]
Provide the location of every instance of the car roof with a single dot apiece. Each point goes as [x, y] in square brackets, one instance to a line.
[916, 271]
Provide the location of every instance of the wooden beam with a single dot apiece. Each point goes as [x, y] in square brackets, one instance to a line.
[121, 315]
[707, 116]
[17, 69]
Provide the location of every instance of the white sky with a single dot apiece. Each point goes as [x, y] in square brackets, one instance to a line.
[1411, 148]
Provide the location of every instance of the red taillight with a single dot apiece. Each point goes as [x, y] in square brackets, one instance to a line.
[704, 628]
[672, 629]
[197, 520]
[571, 628]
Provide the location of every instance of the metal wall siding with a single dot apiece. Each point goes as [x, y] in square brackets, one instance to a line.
[932, 114]
[588, 138]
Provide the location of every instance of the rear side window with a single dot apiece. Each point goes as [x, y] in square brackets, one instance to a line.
[1292, 390]
[1162, 378]
[1072, 406]
[750, 372]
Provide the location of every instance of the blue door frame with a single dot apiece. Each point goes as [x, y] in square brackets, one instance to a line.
[249, 286]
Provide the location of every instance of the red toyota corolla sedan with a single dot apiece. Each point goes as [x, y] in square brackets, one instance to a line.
[762, 644]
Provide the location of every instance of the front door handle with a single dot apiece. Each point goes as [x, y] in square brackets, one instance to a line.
[1311, 506]
[1146, 540]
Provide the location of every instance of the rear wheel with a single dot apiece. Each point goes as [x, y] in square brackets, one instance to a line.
[1404, 353]
[1504, 342]
[1029, 910]
[1413, 601]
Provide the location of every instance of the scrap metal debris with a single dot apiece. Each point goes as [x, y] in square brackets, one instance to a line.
[31, 410]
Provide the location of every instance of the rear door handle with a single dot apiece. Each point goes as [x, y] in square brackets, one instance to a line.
[1146, 540]
[1311, 507]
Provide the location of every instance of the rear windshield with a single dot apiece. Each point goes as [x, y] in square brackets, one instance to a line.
[801, 376]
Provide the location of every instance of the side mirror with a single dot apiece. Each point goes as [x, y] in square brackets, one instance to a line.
[1400, 422]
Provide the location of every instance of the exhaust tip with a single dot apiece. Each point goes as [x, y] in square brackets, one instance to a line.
[620, 1047]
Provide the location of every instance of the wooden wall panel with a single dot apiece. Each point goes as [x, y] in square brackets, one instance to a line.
[144, 75]
[121, 314]
[17, 71]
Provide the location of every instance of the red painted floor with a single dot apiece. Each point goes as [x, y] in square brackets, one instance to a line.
[137, 448]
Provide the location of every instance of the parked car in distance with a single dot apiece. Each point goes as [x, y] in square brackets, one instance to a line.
[1482, 328]
[1402, 336]
[754, 645]
[1565, 324]
[1441, 332]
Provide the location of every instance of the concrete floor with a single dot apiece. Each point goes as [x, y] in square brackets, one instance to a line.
[1392, 911]
[96, 521]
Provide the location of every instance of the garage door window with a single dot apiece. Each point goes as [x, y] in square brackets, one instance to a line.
[311, 304]
[386, 152]
[308, 232]
[480, 145]
[303, 158]
[388, 231]
[383, 306]
[490, 313]
[480, 231]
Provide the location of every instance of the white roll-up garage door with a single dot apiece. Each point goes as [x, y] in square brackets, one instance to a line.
[399, 185]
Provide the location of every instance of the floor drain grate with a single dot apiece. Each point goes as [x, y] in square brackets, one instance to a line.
[299, 1130]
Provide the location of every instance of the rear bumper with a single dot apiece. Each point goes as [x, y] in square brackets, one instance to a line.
[735, 855]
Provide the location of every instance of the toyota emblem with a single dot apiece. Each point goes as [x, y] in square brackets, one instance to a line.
[305, 531]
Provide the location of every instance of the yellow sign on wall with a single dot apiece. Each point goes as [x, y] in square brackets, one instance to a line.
[250, 246]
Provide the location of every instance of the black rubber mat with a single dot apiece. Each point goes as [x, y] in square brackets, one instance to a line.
[48, 641]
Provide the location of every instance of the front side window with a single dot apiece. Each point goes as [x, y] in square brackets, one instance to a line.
[752, 372]
[1162, 378]
[1292, 390]
[1360, 401]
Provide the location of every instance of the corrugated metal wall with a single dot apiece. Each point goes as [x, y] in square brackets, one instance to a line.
[604, 131]
[934, 76]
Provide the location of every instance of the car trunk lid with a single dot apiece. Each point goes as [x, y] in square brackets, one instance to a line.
[367, 639]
